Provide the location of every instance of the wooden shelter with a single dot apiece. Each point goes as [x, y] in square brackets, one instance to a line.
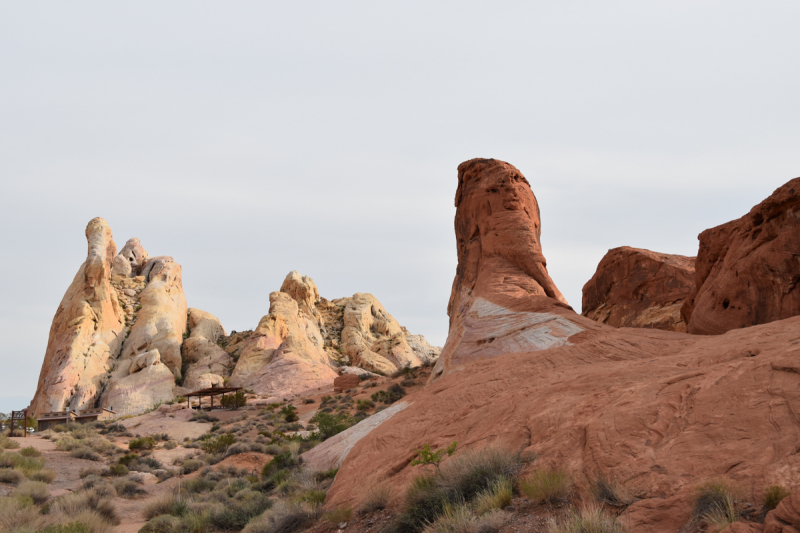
[210, 393]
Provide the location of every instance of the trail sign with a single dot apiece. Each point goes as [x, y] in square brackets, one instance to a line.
[22, 416]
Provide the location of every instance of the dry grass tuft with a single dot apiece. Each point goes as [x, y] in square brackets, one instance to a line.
[551, 487]
[613, 492]
[591, 519]
[496, 497]
[376, 499]
[773, 496]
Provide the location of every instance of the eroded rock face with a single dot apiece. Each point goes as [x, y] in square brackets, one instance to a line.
[786, 517]
[120, 324]
[86, 333]
[161, 321]
[748, 269]
[284, 356]
[299, 347]
[503, 299]
[207, 363]
[638, 288]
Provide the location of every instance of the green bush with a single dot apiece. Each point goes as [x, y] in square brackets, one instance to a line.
[234, 401]
[234, 516]
[143, 443]
[279, 462]
[329, 425]
[127, 488]
[169, 504]
[218, 444]
[289, 413]
[552, 487]
[364, 405]
[773, 496]
[161, 524]
[426, 456]
[497, 496]
[199, 484]
[338, 515]
[390, 395]
[118, 470]
[282, 518]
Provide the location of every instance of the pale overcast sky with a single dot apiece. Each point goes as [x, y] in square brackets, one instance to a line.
[248, 139]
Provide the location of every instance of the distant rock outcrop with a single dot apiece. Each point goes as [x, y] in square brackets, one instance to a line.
[87, 331]
[503, 299]
[116, 338]
[300, 345]
[748, 269]
[639, 289]
[206, 362]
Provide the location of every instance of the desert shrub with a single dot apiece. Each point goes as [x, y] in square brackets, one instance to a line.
[280, 461]
[325, 399]
[127, 488]
[773, 496]
[589, 520]
[8, 443]
[36, 490]
[203, 416]
[240, 447]
[282, 518]
[497, 496]
[461, 519]
[314, 497]
[118, 470]
[72, 527]
[218, 444]
[45, 476]
[84, 452]
[15, 513]
[10, 476]
[612, 492]
[168, 504]
[390, 395]
[552, 487]
[161, 524]
[26, 465]
[308, 401]
[322, 475]
[289, 413]
[30, 451]
[170, 445]
[338, 515]
[375, 499]
[127, 459]
[236, 515]
[190, 465]
[200, 484]
[715, 503]
[90, 471]
[364, 405]
[426, 456]
[90, 501]
[329, 425]
[234, 401]
[142, 443]
[458, 482]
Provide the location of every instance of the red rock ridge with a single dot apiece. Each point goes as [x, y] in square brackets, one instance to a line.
[748, 270]
[639, 289]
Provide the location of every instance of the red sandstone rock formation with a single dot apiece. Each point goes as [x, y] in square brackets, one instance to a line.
[639, 289]
[659, 410]
[503, 299]
[345, 381]
[748, 269]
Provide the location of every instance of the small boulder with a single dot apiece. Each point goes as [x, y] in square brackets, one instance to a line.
[345, 381]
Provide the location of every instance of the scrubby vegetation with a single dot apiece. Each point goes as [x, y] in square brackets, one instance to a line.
[550, 487]
[716, 503]
[773, 496]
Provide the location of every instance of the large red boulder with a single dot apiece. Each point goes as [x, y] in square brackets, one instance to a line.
[639, 289]
[747, 270]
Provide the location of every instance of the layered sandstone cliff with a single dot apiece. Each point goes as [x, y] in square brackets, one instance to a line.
[639, 289]
[748, 269]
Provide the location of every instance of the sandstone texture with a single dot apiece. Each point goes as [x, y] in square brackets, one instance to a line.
[87, 331]
[658, 410]
[503, 299]
[345, 381]
[116, 337]
[638, 288]
[207, 363]
[786, 517]
[300, 346]
[747, 270]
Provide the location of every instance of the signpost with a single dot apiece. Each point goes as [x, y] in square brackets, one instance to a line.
[23, 416]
